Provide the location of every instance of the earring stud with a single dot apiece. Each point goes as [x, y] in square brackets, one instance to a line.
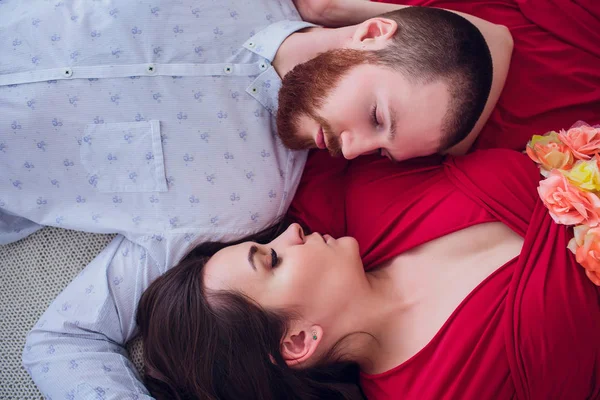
[314, 333]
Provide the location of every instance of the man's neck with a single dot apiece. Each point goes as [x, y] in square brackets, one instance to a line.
[306, 44]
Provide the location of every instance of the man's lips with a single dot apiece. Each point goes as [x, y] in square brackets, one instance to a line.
[320, 139]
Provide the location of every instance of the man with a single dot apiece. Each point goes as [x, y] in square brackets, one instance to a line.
[395, 89]
[551, 84]
[151, 122]
[72, 109]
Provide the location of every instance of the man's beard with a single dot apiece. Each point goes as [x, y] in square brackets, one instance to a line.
[303, 91]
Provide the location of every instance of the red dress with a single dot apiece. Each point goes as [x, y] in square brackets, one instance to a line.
[531, 330]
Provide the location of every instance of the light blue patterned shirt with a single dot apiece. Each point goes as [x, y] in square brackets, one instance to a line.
[151, 119]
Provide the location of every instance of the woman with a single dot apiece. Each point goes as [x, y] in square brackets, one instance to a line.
[469, 292]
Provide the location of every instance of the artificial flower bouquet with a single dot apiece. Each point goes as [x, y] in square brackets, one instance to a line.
[569, 161]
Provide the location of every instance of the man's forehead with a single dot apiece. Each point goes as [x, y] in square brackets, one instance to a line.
[368, 79]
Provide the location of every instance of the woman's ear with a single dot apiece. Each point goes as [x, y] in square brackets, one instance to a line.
[300, 345]
[374, 33]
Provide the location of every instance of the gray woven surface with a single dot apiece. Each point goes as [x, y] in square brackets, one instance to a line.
[33, 272]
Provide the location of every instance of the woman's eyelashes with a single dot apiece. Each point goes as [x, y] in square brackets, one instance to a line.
[275, 260]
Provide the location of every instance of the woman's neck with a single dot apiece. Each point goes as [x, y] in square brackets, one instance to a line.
[376, 311]
[412, 296]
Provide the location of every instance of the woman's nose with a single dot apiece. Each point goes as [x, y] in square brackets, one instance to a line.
[295, 234]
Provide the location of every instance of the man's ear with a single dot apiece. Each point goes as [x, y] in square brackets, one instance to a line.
[374, 33]
[300, 345]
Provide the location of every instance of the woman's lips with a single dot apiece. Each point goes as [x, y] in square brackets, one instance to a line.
[320, 139]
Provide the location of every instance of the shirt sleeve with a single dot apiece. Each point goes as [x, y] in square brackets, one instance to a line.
[77, 348]
[13, 228]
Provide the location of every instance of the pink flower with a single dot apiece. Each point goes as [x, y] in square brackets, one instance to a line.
[568, 205]
[582, 139]
[549, 152]
[586, 247]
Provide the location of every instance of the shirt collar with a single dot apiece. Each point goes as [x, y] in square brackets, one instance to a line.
[266, 42]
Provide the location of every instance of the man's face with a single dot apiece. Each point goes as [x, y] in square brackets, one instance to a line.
[369, 109]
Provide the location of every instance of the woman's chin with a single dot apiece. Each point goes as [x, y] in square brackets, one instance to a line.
[348, 245]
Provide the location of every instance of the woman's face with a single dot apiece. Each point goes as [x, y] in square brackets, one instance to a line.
[314, 275]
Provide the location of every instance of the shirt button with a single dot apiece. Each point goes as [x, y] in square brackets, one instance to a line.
[254, 90]
[262, 66]
[228, 69]
[151, 69]
[251, 45]
[68, 73]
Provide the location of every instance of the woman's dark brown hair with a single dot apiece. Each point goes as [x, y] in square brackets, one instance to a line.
[201, 345]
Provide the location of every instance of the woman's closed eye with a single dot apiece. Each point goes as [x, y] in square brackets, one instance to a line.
[275, 260]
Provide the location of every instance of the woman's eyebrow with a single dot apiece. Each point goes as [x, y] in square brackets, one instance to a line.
[253, 250]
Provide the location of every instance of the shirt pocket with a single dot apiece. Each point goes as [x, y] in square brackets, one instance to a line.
[124, 157]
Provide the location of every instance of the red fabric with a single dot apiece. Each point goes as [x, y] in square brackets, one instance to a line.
[393, 208]
[319, 202]
[554, 77]
[554, 80]
[529, 331]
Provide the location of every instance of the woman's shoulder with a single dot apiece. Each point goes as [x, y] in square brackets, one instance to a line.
[493, 157]
[505, 181]
[494, 164]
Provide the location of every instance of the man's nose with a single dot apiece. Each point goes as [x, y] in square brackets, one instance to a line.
[355, 144]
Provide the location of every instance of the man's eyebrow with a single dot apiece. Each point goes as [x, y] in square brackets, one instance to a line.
[392, 134]
[253, 250]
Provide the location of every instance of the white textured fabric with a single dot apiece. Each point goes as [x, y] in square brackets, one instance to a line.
[167, 161]
[33, 272]
[206, 136]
